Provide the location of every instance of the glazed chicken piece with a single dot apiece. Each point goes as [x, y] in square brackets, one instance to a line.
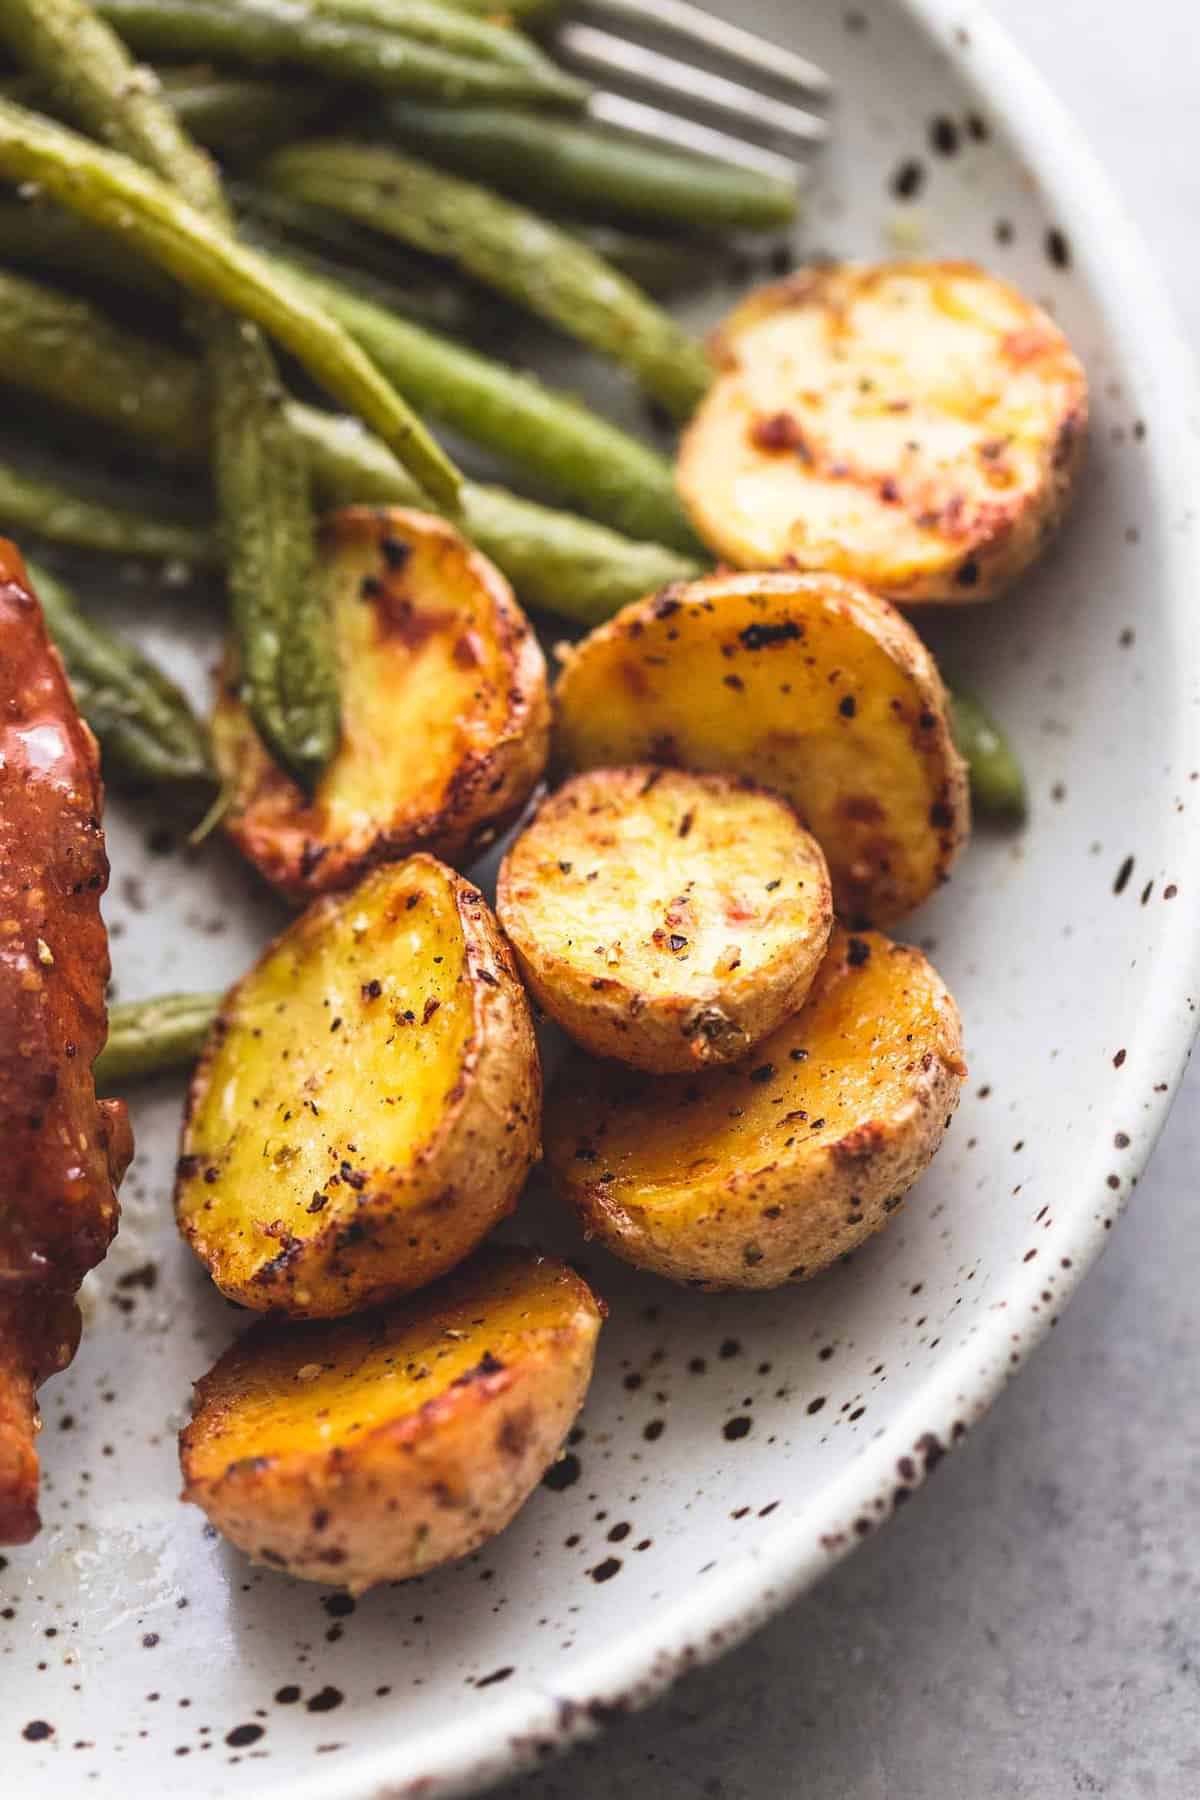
[64, 1152]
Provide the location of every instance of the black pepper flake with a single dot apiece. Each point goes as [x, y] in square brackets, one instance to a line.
[325, 1700]
[371, 990]
[737, 1428]
[1123, 874]
[604, 1571]
[565, 868]
[37, 1731]
[848, 706]
[858, 951]
[676, 942]
[370, 587]
[763, 1072]
[395, 554]
[764, 637]
[798, 1055]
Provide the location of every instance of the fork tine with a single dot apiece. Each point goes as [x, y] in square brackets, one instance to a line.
[600, 53]
[619, 111]
[680, 18]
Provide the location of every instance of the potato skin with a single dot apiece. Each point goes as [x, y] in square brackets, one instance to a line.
[807, 684]
[297, 1187]
[443, 1463]
[666, 918]
[915, 425]
[445, 716]
[733, 1179]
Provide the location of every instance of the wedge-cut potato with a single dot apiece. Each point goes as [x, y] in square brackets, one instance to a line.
[807, 684]
[368, 1103]
[765, 1173]
[372, 1449]
[666, 918]
[445, 720]
[915, 425]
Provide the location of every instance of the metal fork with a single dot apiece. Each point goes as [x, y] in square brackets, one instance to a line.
[626, 45]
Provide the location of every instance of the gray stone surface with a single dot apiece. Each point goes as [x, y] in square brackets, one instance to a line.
[1030, 1625]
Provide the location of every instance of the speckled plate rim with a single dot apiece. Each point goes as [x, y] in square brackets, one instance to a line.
[498, 1739]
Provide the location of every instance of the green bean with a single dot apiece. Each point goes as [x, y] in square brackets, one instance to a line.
[535, 263]
[234, 115]
[381, 269]
[69, 351]
[142, 721]
[281, 622]
[412, 61]
[556, 562]
[124, 199]
[545, 434]
[582, 169]
[531, 12]
[240, 116]
[661, 265]
[153, 1037]
[997, 780]
[35, 504]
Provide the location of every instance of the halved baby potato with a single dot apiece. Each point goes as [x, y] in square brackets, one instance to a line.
[915, 425]
[805, 683]
[372, 1449]
[445, 719]
[768, 1172]
[666, 918]
[367, 1105]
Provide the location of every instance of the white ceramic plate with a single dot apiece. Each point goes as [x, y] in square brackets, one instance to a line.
[160, 1661]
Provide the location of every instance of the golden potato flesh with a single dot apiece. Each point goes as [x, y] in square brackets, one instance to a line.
[372, 1449]
[767, 1172]
[915, 425]
[367, 1105]
[666, 918]
[445, 720]
[806, 684]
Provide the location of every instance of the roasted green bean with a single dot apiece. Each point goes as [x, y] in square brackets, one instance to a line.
[997, 780]
[430, 56]
[33, 504]
[154, 222]
[142, 721]
[581, 169]
[545, 434]
[535, 263]
[153, 1037]
[556, 562]
[280, 621]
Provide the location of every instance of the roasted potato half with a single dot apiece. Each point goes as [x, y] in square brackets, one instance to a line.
[372, 1449]
[445, 719]
[368, 1102]
[805, 683]
[915, 425]
[666, 918]
[765, 1173]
